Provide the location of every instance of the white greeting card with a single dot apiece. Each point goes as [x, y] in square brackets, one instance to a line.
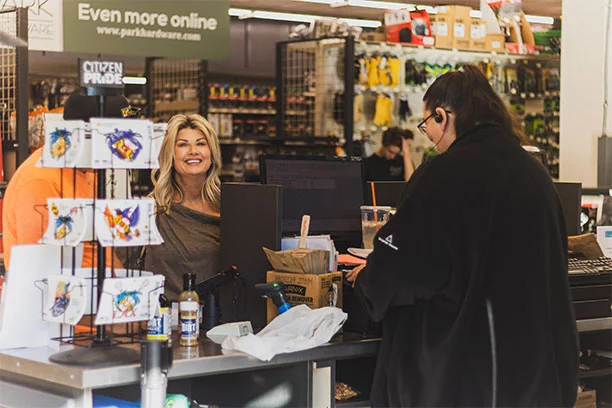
[127, 300]
[66, 299]
[64, 143]
[126, 222]
[70, 221]
[122, 144]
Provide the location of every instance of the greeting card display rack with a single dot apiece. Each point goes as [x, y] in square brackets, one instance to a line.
[97, 345]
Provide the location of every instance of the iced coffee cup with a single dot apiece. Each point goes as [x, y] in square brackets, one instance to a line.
[372, 219]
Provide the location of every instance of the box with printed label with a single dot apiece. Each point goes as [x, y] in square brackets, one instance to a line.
[496, 42]
[478, 35]
[441, 26]
[311, 290]
[461, 33]
[398, 27]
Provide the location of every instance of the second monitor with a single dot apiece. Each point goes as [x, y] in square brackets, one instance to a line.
[329, 189]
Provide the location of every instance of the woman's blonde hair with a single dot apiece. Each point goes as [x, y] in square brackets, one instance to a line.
[165, 186]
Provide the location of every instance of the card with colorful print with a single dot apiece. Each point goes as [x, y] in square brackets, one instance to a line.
[64, 144]
[122, 144]
[70, 221]
[127, 300]
[126, 222]
[66, 299]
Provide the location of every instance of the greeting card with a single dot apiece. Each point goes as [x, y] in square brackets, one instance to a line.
[126, 222]
[64, 143]
[122, 144]
[70, 221]
[66, 299]
[127, 300]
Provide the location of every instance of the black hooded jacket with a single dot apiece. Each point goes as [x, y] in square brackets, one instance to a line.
[470, 281]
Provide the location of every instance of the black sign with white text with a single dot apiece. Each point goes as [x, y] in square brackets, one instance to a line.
[101, 73]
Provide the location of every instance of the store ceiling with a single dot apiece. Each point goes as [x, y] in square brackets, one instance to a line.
[536, 7]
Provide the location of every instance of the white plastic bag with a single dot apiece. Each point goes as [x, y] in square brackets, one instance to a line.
[299, 328]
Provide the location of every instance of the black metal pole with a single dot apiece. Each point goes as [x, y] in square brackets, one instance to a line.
[349, 94]
[21, 91]
[280, 91]
[101, 194]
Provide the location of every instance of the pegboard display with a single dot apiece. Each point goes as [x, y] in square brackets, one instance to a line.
[174, 87]
[8, 78]
[314, 97]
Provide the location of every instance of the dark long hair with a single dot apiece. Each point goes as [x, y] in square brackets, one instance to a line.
[468, 95]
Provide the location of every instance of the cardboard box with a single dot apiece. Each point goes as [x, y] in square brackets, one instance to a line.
[314, 261]
[496, 42]
[461, 33]
[442, 27]
[312, 290]
[398, 27]
[373, 37]
[586, 399]
[478, 35]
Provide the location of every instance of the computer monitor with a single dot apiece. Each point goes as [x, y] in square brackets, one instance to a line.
[329, 189]
[387, 192]
[570, 195]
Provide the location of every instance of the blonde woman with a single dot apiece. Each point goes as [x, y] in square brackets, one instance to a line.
[187, 191]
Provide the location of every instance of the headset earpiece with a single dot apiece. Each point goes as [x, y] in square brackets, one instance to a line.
[438, 118]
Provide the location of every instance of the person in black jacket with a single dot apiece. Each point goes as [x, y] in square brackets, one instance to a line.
[392, 162]
[470, 276]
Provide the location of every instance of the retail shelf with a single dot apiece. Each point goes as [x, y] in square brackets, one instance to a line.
[414, 49]
[588, 325]
[600, 372]
[243, 111]
[177, 106]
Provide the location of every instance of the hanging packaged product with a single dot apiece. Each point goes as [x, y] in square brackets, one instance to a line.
[395, 65]
[373, 64]
[384, 71]
[384, 110]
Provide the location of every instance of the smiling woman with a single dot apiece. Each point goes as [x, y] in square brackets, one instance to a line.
[187, 192]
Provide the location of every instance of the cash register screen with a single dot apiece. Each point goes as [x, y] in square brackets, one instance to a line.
[329, 189]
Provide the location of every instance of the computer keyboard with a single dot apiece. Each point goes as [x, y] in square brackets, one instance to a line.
[576, 266]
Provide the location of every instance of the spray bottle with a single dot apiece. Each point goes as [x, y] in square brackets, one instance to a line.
[276, 292]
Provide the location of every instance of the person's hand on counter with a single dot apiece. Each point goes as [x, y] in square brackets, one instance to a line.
[351, 276]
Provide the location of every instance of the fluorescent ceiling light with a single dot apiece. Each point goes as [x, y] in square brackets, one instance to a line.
[236, 12]
[128, 80]
[384, 5]
[362, 23]
[475, 14]
[297, 18]
[540, 19]
[271, 15]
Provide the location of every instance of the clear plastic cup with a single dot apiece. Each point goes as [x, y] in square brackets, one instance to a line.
[372, 219]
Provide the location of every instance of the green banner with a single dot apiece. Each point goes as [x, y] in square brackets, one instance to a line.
[150, 28]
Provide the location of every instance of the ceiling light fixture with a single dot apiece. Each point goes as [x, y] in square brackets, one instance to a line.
[296, 18]
[129, 80]
[540, 19]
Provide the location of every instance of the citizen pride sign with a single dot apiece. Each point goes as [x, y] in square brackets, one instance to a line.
[99, 73]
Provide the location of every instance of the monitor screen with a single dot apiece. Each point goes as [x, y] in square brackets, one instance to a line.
[329, 189]
[570, 195]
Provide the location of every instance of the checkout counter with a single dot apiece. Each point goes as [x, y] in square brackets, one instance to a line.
[212, 376]
[252, 218]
